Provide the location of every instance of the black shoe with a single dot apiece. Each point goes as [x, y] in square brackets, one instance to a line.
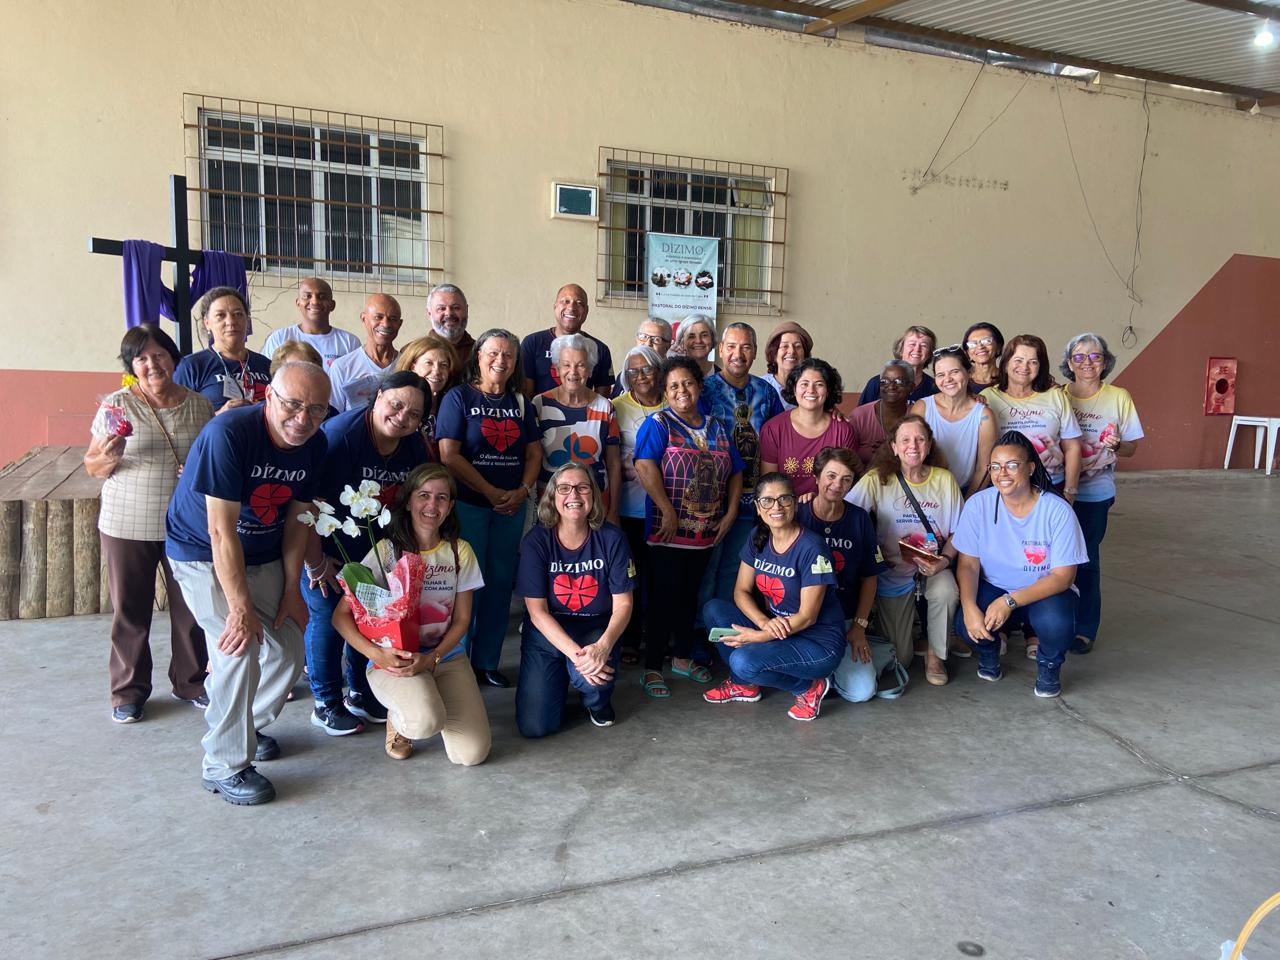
[492, 678]
[127, 713]
[268, 749]
[335, 720]
[367, 707]
[245, 789]
[602, 716]
[200, 703]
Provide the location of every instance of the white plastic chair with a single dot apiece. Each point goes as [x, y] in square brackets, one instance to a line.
[1269, 426]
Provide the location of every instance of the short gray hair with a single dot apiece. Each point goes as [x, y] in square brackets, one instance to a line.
[1108, 358]
[575, 341]
[650, 356]
[740, 325]
[658, 322]
[446, 288]
[691, 321]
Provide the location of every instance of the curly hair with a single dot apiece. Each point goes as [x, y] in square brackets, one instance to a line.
[830, 376]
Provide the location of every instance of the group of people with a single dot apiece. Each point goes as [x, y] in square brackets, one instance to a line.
[687, 517]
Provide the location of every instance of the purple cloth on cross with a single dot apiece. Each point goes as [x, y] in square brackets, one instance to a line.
[146, 298]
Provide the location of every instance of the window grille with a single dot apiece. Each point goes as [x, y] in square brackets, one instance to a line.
[743, 204]
[304, 192]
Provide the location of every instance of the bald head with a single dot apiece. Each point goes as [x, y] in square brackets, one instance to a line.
[381, 318]
[571, 309]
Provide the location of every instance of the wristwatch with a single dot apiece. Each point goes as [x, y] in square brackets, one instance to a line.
[1012, 603]
[531, 490]
[863, 622]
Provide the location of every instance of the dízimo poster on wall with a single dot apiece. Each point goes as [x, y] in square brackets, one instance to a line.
[682, 276]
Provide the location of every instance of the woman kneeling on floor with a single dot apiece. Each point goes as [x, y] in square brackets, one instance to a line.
[434, 690]
[1018, 544]
[576, 577]
[799, 637]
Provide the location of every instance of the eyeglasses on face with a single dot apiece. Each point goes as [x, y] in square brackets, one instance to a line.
[786, 500]
[316, 411]
[651, 339]
[645, 370]
[1009, 466]
[943, 351]
[1091, 357]
[581, 489]
[892, 382]
[980, 342]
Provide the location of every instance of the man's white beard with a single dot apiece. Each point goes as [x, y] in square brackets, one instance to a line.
[444, 332]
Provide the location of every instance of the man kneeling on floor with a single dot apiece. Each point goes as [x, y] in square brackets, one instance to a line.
[236, 546]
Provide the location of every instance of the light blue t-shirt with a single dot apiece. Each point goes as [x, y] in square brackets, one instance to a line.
[1016, 552]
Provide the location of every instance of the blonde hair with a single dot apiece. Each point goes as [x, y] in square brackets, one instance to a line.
[298, 350]
[548, 516]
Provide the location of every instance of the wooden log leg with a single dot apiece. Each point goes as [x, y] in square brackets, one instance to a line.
[10, 557]
[59, 568]
[86, 549]
[104, 585]
[31, 589]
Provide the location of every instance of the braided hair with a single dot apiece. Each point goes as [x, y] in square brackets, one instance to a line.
[1039, 475]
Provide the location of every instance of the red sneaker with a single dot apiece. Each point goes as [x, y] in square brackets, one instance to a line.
[809, 703]
[729, 691]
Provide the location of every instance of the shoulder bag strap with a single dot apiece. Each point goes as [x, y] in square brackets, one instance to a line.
[906, 488]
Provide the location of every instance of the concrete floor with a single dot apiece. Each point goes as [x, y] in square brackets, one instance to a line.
[1138, 816]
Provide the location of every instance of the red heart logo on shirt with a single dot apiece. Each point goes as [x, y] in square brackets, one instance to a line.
[770, 588]
[1036, 555]
[267, 499]
[838, 559]
[500, 433]
[575, 592]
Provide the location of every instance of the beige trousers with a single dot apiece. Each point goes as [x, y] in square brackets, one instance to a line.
[447, 702]
[898, 616]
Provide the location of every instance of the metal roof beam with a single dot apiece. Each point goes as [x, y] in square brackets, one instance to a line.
[857, 11]
[1243, 6]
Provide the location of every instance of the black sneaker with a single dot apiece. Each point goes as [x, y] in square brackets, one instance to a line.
[127, 713]
[367, 707]
[200, 703]
[245, 789]
[267, 749]
[1048, 684]
[602, 716]
[335, 720]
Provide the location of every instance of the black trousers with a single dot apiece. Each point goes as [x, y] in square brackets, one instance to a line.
[675, 576]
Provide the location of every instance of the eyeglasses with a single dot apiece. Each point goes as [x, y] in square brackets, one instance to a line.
[1009, 466]
[643, 371]
[892, 382]
[981, 342]
[316, 411]
[943, 351]
[1091, 357]
[786, 500]
[581, 489]
[651, 340]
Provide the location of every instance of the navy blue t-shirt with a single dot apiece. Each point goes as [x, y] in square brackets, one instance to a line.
[854, 550]
[781, 576]
[925, 388]
[535, 357]
[221, 379]
[234, 458]
[493, 431]
[353, 457]
[578, 585]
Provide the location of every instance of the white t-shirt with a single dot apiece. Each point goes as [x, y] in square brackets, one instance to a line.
[1108, 412]
[440, 588]
[354, 378]
[330, 346]
[1014, 552]
[896, 519]
[1043, 418]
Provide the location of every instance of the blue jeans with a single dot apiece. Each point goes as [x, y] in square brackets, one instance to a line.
[1052, 619]
[495, 540]
[854, 680]
[325, 646]
[545, 676]
[1093, 522]
[792, 664]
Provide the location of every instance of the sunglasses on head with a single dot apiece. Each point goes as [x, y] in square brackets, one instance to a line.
[946, 351]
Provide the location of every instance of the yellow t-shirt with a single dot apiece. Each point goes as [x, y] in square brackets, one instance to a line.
[1043, 418]
[1109, 411]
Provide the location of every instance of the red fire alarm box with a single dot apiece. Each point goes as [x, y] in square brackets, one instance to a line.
[1220, 386]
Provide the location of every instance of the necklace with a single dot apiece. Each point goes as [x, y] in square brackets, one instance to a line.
[177, 461]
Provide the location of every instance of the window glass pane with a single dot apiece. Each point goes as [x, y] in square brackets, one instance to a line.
[399, 153]
[232, 221]
[288, 140]
[344, 146]
[752, 194]
[229, 134]
[749, 258]
[669, 185]
[706, 189]
[348, 212]
[288, 213]
[666, 220]
[402, 245]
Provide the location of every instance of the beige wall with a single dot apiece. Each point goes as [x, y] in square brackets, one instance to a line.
[528, 90]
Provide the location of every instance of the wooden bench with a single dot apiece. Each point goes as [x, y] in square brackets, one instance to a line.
[50, 556]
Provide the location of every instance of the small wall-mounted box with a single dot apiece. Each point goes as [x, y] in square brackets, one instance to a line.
[574, 201]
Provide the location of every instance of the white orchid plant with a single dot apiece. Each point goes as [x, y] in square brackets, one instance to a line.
[362, 504]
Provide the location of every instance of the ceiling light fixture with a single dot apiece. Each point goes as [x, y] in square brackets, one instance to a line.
[1264, 37]
[1255, 109]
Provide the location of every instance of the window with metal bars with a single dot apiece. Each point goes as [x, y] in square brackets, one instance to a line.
[744, 205]
[313, 192]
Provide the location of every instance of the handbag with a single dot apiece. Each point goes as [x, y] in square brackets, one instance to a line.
[884, 658]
